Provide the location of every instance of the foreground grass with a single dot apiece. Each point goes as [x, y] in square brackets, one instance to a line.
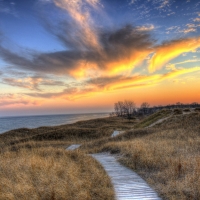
[32, 166]
[53, 174]
[166, 156]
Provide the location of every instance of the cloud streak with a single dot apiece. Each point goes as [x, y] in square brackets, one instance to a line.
[31, 83]
[170, 50]
[8, 99]
[112, 83]
[121, 50]
[80, 16]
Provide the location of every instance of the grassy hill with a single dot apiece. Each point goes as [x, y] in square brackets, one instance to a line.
[166, 154]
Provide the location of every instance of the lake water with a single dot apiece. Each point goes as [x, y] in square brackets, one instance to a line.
[10, 123]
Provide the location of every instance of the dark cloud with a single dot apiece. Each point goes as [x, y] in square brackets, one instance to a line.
[32, 83]
[128, 37]
[103, 82]
[114, 46]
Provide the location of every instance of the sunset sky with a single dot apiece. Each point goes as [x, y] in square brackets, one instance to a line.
[82, 56]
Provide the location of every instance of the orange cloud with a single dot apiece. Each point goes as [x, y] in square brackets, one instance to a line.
[16, 99]
[171, 50]
[113, 83]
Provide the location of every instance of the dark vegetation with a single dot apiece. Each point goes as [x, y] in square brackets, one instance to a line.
[127, 109]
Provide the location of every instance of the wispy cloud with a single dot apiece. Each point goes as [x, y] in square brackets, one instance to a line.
[113, 83]
[80, 17]
[121, 49]
[132, 2]
[31, 83]
[197, 19]
[8, 8]
[170, 50]
[149, 27]
[188, 30]
[16, 99]
[164, 3]
[187, 61]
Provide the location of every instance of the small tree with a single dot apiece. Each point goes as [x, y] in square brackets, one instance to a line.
[125, 108]
[144, 107]
[129, 108]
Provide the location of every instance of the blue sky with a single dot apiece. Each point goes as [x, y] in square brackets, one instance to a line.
[73, 51]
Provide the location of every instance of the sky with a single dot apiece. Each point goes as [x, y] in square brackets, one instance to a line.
[82, 56]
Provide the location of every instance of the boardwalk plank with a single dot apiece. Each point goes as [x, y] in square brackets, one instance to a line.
[127, 184]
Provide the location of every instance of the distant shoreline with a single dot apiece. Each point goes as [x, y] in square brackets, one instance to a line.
[36, 121]
[42, 115]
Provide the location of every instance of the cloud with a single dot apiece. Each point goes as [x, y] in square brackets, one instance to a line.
[80, 16]
[132, 2]
[171, 67]
[188, 30]
[68, 93]
[28, 83]
[170, 50]
[121, 50]
[101, 59]
[146, 28]
[179, 72]
[112, 83]
[8, 8]
[197, 19]
[16, 99]
[164, 3]
[32, 83]
[187, 61]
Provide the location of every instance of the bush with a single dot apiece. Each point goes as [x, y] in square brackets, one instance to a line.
[178, 111]
[186, 110]
[197, 109]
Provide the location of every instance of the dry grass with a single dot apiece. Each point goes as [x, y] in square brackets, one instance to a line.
[197, 109]
[186, 110]
[53, 174]
[33, 167]
[153, 118]
[82, 131]
[178, 111]
[167, 156]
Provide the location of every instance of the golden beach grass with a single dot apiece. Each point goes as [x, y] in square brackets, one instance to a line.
[166, 156]
[35, 164]
[53, 174]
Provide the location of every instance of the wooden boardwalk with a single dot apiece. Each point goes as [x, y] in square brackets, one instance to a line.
[127, 184]
[73, 147]
[115, 133]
